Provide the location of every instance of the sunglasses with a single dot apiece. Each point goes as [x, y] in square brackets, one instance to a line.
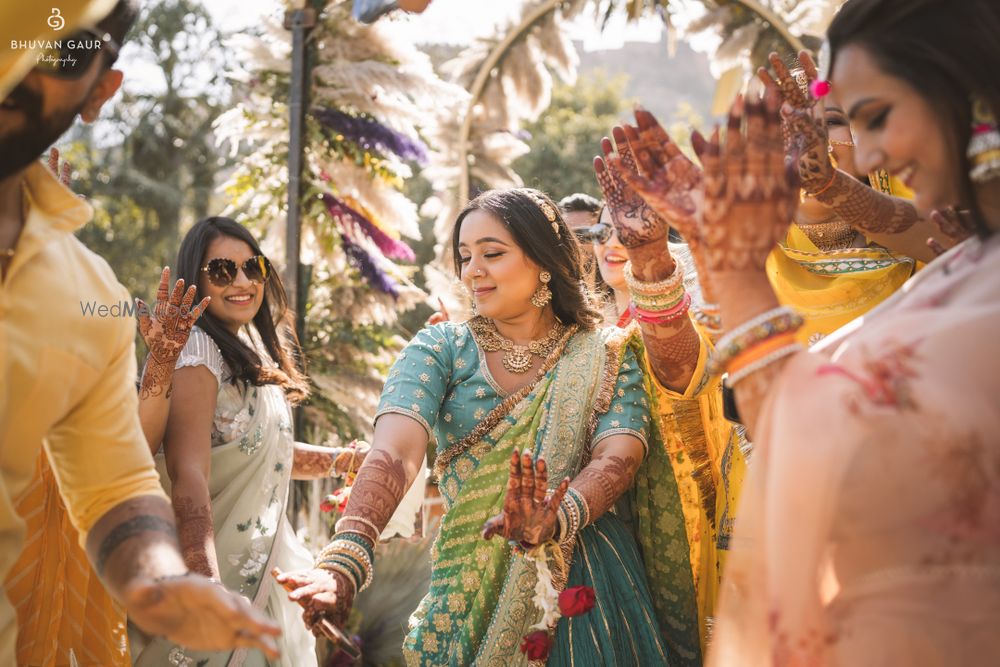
[71, 57]
[222, 271]
[599, 233]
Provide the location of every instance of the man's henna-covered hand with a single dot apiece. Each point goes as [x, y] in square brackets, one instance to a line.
[165, 330]
[530, 512]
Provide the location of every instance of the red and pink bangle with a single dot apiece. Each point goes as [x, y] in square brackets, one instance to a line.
[662, 316]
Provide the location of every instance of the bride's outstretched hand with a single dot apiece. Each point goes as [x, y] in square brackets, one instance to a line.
[530, 512]
[750, 195]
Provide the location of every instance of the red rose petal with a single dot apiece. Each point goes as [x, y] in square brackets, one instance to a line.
[576, 600]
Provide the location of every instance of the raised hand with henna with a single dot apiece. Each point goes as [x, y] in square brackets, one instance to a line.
[636, 222]
[530, 512]
[803, 126]
[165, 330]
[670, 183]
[750, 196]
[750, 200]
[674, 346]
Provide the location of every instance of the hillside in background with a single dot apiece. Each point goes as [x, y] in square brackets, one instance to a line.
[659, 81]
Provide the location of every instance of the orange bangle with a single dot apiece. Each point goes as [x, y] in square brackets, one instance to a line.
[826, 187]
[760, 351]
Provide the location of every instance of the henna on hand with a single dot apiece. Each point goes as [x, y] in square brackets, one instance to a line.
[313, 462]
[954, 227]
[165, 331]
[322, 594]
[636, 223]
[803, 126]
[530, 512]
[604, 480]
[196, 533]
[377, 491]
[64, 172]
[750, 197]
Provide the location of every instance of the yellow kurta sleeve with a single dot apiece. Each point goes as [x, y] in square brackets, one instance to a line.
[98, 450]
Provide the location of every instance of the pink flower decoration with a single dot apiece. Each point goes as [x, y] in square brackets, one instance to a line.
[819, 88]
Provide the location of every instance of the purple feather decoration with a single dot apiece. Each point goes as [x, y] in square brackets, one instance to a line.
[366, 264]
[389, 246]
[372, 135]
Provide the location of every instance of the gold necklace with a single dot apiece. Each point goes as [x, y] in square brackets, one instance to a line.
[830, 234]
[516, 358]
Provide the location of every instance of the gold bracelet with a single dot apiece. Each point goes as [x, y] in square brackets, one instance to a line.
[668, 284]
[360, 519]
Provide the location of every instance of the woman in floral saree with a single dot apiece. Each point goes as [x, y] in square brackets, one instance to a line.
[228, 454]
[530, 374]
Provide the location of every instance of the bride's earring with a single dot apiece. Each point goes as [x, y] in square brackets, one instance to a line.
[543, 294]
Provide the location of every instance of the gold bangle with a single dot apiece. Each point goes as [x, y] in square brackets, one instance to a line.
[668, 284]
[360, 519]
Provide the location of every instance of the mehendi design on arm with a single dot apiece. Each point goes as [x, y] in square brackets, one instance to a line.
[673, 350]
[126, 530]
[196, 531]
[867, 209]
[378, 489]
[603, 480]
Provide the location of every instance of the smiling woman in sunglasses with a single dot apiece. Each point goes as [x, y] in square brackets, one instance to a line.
[229, 454]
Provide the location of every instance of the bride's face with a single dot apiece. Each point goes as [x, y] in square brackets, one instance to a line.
[498, 274]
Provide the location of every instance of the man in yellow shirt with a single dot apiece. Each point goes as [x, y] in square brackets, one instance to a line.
[67, 379]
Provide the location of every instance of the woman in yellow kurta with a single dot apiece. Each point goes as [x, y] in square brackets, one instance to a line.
[702, 449]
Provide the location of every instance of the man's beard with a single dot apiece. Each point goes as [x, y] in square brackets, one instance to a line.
[21, 147]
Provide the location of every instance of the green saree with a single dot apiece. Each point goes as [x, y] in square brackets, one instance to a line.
[480, 605]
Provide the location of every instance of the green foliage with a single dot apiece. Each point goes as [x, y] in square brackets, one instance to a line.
[150, 165]
[567, 136]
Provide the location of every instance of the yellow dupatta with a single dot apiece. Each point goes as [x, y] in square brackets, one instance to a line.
[829, 289]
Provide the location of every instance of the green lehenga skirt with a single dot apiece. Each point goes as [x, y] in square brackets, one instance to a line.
[621, 629]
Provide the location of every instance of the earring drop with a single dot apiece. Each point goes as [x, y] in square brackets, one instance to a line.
[542, 295]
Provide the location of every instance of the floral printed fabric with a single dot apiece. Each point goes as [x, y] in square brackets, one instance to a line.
[868, 530]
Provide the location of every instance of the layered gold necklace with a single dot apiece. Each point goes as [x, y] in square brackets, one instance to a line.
[516, 358]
